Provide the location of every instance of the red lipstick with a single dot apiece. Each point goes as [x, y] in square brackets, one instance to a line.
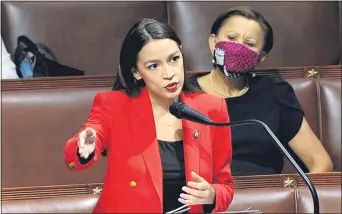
[172, 87]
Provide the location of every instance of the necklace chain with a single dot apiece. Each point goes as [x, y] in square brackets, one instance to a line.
[242, 92]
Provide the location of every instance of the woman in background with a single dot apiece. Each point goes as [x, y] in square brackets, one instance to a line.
[156, 162]
[241, 39]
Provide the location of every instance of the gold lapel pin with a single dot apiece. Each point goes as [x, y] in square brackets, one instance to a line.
[196, 134]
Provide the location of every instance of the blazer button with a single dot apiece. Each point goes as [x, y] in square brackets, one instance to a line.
[196, 134]
[132, 184]
[72, 165]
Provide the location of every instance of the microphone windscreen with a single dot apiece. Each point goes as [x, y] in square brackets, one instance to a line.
[176, 109]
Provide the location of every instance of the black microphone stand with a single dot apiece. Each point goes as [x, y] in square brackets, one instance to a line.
[284, 151]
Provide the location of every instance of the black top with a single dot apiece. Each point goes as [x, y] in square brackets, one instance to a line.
[271, 100]
[172, 158]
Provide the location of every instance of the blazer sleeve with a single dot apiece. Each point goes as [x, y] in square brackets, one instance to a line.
[98, 121]
[222, 155]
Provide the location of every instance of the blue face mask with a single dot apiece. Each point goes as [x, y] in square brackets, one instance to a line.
[26, 66]
[26, 69]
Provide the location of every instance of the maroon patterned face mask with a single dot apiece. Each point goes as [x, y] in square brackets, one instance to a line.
[234, 58]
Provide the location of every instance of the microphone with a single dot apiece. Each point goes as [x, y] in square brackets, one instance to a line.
[182, 111]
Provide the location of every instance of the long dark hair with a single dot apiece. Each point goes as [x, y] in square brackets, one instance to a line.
[139, 35]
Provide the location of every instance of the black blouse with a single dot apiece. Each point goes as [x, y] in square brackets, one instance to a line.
[273, 101]
[172, 158]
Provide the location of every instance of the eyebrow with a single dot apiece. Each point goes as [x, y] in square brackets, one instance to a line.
[250, 37]
[156, 60]
[174, 53]
[232, 32]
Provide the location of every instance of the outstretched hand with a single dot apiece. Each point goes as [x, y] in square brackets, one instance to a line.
[86, 142]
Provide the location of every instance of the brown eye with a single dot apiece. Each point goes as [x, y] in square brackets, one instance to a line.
[175, 59]
[153, 67]
[231, 38]
[250, 44]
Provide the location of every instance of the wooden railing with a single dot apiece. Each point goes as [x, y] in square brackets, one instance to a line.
[89, 81]
[242, 182]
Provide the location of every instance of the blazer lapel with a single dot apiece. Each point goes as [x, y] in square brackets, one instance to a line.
[191, 140]
[145, 134]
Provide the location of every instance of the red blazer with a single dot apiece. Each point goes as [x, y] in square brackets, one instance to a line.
[133, 182]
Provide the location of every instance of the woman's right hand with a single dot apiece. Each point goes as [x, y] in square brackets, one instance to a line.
[86, 142]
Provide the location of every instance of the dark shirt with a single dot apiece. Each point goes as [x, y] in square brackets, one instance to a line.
[273, 101]
[172, 158]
